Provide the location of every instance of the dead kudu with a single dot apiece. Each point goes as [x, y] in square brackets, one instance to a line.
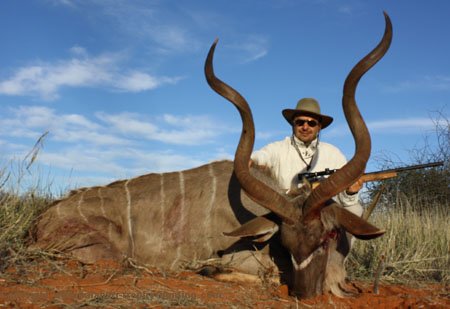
[168, 219]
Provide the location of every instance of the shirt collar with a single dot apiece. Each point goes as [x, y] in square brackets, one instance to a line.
[301, 144]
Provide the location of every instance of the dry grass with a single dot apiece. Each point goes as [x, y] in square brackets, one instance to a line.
[21, 202]
[416, 246]
[17, 215]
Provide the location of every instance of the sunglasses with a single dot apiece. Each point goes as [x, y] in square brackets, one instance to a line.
[301, 122]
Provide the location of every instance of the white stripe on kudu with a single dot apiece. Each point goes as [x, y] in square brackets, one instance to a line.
[80, 201]
[182, 213]
[208, 211]
[130, 224]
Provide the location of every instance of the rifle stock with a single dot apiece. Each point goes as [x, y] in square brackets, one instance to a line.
[378, 176]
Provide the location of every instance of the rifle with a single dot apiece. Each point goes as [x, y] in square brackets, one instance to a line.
[315, 177]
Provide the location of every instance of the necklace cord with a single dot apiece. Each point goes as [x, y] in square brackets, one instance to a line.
[308, 165]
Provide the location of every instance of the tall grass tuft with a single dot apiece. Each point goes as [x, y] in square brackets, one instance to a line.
[22, 199]
[415, 247]
[17, 215]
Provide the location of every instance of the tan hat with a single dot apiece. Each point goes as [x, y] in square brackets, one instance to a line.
[307, 106]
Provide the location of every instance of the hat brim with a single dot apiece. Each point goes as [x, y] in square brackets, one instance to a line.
[289, 115]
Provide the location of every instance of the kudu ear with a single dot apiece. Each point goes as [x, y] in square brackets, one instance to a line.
[259, 226]
[355, 225]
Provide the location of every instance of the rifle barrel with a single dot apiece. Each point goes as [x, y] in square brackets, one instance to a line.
[409, 168]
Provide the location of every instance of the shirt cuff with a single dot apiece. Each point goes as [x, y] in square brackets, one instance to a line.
[348, 200]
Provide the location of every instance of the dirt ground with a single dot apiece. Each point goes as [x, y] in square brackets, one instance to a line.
[61, 284]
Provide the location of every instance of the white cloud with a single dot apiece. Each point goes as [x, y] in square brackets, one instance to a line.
[68, 3]
[253, 47]
[138, 81]
[391, 126]
[345, 9]
[99, 167]
[112, 129]
[268, 135]
[159, 161]
[171, 38]
[46, 79]
[78, 50]
[167, 30]
[129, 123]
[169, 129]
[425, 83]
[32, 121]
[401, 125]
[173, 29]
[190, 130]
[81, 159]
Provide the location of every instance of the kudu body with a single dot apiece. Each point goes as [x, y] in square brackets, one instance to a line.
[169, 219]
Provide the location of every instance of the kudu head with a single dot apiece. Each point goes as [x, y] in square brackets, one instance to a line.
[310, 220]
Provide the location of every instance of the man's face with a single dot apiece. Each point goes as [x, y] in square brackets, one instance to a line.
[306, 128]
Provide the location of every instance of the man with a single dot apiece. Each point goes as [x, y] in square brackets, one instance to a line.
[302, 152]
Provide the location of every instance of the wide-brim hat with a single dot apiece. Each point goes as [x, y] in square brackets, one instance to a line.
[308, 107]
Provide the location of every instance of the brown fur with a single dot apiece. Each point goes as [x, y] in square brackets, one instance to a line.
[171, 217]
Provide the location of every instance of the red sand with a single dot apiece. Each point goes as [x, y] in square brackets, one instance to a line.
[107, 284]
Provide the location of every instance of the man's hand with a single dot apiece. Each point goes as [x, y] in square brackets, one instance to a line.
[355, 187]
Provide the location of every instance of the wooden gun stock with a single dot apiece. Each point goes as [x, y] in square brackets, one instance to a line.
[378, 176]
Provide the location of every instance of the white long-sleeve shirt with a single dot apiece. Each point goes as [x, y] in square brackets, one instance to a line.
[285, 164]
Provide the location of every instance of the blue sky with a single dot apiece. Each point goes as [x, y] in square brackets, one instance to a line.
[119, 85]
